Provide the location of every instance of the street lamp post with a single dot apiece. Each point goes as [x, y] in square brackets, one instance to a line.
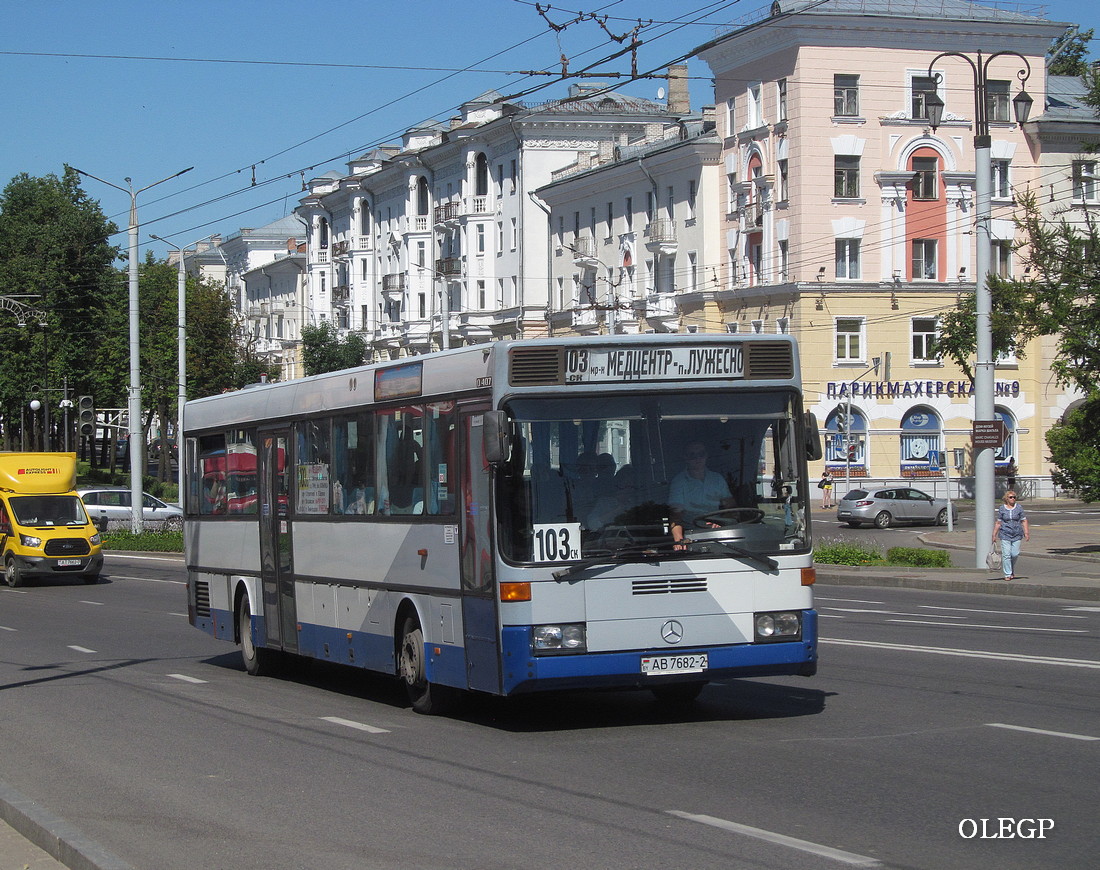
[181, 332]
[983, 299]
[137, 450]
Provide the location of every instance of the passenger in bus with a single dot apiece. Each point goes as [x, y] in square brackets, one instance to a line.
[695, 491]
[584, 484]
[612, 507]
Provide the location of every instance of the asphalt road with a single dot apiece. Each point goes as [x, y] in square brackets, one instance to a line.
[930, 709]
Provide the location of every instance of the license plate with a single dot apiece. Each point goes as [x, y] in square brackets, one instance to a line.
[685, 664]
[68, 563]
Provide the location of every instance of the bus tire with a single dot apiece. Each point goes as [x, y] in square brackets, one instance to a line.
[677, 693]
[425, 697]
[258, 661]
[13, 574]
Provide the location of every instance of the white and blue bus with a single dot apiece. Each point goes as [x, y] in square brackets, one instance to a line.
[619, 511]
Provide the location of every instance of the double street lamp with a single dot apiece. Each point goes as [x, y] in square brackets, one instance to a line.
[137, 447]
[983, 299]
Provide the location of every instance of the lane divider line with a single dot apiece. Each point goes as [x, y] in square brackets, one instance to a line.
[1042, 731]
[358, 726]
[965, 653]
[780, 839]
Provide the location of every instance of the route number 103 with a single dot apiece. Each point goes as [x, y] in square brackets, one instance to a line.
[557, 542]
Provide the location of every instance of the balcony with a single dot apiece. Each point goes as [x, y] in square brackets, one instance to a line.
[584, 252]
[447, 213]
[341, 293]
[477, 205]
[340, 249]
[449, 267]
[418, 223]
[660, 236]
[394, 284]
[754, 215]
[321, 255]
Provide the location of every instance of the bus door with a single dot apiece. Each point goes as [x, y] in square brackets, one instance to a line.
[479, 603]
[276, 554]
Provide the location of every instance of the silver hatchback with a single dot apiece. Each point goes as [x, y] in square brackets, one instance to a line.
[112, 504]
[885, 507]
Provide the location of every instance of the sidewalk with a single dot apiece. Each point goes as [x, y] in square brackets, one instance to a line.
[1062, 560]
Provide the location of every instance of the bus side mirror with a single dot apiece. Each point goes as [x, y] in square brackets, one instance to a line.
[813, 437]
[497, 440]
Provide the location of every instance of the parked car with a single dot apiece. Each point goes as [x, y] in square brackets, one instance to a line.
[885, 507]
[113, 504]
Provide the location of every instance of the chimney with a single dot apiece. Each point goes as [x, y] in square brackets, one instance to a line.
[679, 102]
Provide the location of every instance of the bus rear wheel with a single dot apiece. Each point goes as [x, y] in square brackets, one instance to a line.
[425, 697]
[258, 661]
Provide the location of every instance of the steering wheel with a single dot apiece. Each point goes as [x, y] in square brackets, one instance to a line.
[729, 517]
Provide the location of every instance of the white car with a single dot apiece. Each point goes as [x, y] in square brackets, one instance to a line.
[113, 504]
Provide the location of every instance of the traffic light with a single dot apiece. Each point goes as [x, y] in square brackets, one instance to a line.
[86, 413]
[852, 449]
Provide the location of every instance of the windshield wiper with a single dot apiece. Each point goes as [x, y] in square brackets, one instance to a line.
[734, 550]
[607, 559]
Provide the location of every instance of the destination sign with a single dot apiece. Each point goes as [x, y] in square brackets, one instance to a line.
[584, 366]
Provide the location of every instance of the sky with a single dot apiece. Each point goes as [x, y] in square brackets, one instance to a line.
[257, 95]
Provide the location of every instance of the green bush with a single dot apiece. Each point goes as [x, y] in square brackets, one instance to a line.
[847, 553]
[157, 542]
[918, 557]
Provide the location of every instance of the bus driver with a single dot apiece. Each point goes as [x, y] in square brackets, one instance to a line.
[695, 492]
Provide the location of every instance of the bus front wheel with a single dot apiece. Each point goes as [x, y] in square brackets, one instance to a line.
[258, 661]
[13, 574]
[425, 697]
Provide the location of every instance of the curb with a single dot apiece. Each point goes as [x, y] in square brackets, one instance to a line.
[924, 578]
[54, 836]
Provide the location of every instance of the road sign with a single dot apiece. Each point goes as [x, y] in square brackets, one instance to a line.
[934, 461]
[989, 433]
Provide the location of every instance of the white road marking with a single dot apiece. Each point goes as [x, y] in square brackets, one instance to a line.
[887, 612]
[1001, 612]
[358, 726]
[996, 627]
[149, 579]
[82, 649]
[5, 628]
[131, 557]
[967, 653]
[96, 603]
[781, 839]
[186, 678]
[848, 600]
[1042, 731]
[1085, 609]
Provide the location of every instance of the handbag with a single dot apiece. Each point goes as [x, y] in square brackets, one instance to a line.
[993, 560]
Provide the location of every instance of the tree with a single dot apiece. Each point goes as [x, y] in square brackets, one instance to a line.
[324, 351]
[1068, 53]
[55, 255]
[1075, 447]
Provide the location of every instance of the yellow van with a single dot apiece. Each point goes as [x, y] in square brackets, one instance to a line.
[44, 528]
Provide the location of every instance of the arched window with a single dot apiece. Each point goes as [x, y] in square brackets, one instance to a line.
[481, 176]
[921, 442]
[364, 218]
[322, 233]
[842, 439]
[421, 196]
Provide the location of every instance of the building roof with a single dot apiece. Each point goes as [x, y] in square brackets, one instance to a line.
[1066, 100]
[956, 10]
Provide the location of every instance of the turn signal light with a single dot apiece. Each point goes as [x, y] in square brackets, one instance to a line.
[809, 576]
[515, 591]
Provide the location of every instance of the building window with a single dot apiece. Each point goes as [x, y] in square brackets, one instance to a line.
[784, 260]
[922, 86]
[515, 234]
[481, 300]
[628, 214]
[845, 96]
[693, 271]
[479, 236]
[924, 339]
[692, 196]
[1002, 189]
[847, 259]
[500, 238]
[920, 440]
[610, 219]
[1084, 180]
[731, 107]
[1001, 258]
[996, 100]
[925, 182]
[845, 177]
[781, 99]
[650, 204]
[849, 339]
[784, 180]
[924, 260]
[756, 109]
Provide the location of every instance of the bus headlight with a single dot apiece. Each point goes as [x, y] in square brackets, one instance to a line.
[30, 541]
[96, 539]
[783, 625]
[564, 638]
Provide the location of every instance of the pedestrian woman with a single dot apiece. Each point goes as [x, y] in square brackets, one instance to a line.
[826, 487]
[1010, 528]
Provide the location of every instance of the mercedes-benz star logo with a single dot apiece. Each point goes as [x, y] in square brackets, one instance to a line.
[672, 631]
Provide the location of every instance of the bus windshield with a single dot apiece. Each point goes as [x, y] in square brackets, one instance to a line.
[590, 476]
[48, 510]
